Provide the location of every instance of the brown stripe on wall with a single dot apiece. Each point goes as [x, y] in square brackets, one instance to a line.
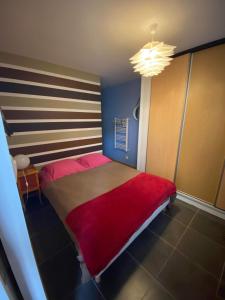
[24, 115]
[46, 79]
[53, 146]
[20, 127]
[9, 87]
[64, 154]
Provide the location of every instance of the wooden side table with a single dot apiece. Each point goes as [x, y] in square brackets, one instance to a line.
[27, 181]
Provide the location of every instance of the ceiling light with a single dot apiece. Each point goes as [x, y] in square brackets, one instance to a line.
[153, 57]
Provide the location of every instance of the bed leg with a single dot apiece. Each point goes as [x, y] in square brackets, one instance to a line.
[85, 276]
[165, 209]
[97, 279]
[169, 206]
[172, 199]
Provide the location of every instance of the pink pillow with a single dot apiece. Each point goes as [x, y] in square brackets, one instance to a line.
[44, 179]
[93, 160]
[59, 169]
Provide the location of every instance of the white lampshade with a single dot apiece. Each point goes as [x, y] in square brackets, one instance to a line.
[152, 58]
[22, 161]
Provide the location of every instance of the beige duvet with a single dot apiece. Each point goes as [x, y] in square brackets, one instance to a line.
[70, 191]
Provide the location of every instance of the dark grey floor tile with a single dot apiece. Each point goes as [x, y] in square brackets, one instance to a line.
[223, 275]
[33, 203]
[212, 217]
[181, 211]
[87, 291]
[41, 220]
[49, 242]
[186, 281]
[167, 228]
[203, 251]
[124, 280]
[211, 226]
[150, 251]
[156, 292]
[221, 290]
[61, 274]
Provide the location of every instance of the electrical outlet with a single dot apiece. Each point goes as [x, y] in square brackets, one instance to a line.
[126, 157]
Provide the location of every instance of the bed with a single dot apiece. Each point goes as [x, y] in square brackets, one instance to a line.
[104, 206]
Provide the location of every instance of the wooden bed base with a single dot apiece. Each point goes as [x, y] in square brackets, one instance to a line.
[85, 277]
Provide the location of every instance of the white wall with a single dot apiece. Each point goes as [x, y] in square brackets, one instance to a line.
[143, 123]
[3, 294]
[13, 230]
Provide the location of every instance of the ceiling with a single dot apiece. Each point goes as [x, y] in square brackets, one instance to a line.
[99, 36]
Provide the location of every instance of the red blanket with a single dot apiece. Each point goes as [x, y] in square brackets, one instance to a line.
[103, 225]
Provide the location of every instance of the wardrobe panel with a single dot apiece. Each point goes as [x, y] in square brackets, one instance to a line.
[166, 109]
[203, 142]
[220, 202]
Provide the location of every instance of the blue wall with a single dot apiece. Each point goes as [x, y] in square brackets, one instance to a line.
[119, 101]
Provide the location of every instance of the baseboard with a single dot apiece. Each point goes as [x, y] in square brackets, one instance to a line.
[201, 204]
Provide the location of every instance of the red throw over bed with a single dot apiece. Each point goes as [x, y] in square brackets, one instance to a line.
[102, 226]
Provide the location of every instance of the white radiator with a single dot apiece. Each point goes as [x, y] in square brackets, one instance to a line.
[121, 133]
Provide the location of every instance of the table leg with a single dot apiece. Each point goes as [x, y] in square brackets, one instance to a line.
[39, 195]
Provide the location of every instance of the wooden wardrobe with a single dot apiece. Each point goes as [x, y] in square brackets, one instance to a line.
[186, 137]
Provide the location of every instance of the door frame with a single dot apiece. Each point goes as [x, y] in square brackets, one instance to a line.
[13, 229]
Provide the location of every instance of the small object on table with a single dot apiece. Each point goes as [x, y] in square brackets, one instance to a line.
[27, 181]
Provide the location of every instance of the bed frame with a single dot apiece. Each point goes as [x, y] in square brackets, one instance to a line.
[85, 277]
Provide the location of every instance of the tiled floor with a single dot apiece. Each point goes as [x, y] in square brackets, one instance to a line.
[181, 255]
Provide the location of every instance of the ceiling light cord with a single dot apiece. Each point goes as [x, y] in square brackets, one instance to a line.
[153, 29]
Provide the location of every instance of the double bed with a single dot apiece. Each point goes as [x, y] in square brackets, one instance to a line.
[104, 207]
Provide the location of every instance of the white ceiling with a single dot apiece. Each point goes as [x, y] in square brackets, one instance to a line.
[99, 36]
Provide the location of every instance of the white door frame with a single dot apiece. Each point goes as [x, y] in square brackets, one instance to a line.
[143, 123]
[3, 292]
[13, 230]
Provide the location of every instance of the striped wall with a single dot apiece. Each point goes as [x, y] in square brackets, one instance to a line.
[54, 112]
